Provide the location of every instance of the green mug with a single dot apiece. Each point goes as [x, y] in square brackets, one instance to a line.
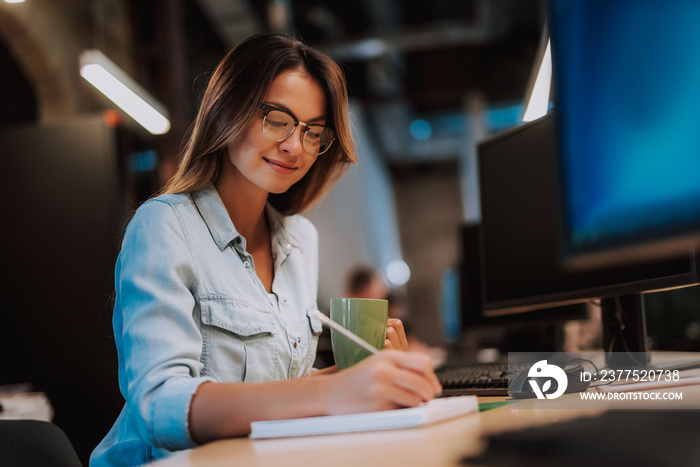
[365, 317]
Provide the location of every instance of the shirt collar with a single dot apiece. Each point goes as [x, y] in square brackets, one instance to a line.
[279, 231]
[215, 215]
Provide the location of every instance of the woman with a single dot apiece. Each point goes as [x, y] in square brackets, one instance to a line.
[217, 277]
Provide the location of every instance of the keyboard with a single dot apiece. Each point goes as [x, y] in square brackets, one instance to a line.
[481, 379]
[640, 438]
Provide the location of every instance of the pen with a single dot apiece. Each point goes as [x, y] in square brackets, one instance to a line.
[350, 335]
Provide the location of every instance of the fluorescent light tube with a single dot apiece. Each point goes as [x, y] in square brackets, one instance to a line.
[126, 93]
[538, 104]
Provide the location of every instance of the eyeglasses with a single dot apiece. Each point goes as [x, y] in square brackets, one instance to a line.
[279, 124]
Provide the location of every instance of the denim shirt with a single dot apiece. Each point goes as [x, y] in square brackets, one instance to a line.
[190, 308]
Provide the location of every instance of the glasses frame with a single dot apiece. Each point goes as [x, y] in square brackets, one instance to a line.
[266, 108]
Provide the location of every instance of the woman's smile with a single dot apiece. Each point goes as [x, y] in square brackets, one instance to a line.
[280, 166]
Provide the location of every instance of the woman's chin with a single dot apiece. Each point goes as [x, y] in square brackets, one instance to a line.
[278, 190]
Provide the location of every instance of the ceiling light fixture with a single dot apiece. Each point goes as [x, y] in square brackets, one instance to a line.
[126, 93]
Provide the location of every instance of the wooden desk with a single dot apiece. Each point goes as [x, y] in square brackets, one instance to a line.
[441, 444]
[435, 445]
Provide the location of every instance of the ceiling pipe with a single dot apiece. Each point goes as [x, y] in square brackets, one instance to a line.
[487, 26]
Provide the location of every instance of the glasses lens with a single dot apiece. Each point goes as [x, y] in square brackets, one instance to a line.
[318, 139]
[277, 125]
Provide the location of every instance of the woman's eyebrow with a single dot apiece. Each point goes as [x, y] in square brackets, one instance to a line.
[284, 107]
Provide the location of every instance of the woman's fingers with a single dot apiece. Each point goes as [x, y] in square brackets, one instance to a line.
[396, 334]
[421, 364]
[414, 373]
[414, 386]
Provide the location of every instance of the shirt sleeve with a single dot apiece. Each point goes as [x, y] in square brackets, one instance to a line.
[158, 341]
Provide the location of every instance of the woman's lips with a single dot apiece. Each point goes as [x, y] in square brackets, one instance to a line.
[280, 167]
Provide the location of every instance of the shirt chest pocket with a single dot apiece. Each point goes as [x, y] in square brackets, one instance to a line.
[315, 325]
[314, 331]
[238, 342]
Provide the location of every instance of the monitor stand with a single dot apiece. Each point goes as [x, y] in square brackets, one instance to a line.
[624, 332]
[625, 336]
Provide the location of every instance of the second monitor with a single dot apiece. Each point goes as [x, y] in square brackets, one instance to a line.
[519, 268]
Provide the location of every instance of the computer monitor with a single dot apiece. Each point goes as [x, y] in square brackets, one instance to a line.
[625, 77]
[521, 275]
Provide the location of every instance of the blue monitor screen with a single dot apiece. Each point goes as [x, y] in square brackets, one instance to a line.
[627, 93]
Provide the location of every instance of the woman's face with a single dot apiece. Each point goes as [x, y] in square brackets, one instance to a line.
[274, 166]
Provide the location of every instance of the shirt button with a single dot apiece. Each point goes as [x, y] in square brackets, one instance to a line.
[287, 246]
[295, 345]
[246, 264]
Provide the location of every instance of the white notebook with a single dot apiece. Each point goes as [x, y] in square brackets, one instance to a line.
[430, 412]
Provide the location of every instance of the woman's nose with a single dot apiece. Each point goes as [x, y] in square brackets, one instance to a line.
[293, 145]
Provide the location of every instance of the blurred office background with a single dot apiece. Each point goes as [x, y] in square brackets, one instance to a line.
[427, 81]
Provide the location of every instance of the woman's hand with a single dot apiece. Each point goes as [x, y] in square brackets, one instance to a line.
[395, 335]
[395, 340]
[384, 381]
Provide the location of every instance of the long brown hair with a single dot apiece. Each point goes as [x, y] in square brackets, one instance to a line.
[235, 93]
